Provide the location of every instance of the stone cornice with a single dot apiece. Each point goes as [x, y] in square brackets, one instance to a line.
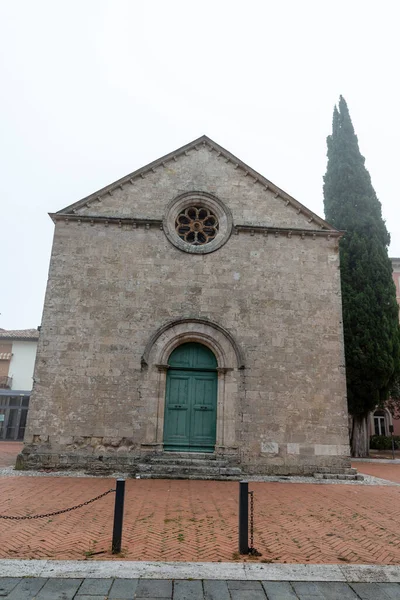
[118, 221]
[286, 231]
[194, 146]
[151, 223]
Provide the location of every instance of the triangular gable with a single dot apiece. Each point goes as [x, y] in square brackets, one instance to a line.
[173, 156]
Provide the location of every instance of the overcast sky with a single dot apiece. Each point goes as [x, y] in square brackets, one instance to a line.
[94, 89]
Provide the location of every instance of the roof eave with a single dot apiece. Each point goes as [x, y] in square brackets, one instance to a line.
[134, 174]
[182, 150]
[18, 339]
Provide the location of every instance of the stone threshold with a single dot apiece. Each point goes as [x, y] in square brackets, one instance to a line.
[192, 570]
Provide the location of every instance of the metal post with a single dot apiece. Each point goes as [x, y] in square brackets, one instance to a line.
[118, 516]
[243, 517]
[391, 429]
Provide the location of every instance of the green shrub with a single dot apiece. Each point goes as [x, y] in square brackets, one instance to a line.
[384, 442]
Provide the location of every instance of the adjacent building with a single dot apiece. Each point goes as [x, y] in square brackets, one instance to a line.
[193, 309]
[17, 361]
[396, 277]
[382, 419]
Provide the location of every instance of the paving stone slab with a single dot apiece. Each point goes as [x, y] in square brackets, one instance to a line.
[27, 588]
[154, 588]
[279, 590]
[146, 589]
[374, 591]
[392, 590]
[123, 589]
[79, 597]
[216, 590]
[324, 590]
[248, 595]
[7, 584]
[188, 590]
[333, 590]
[244, 585]
[59, 589]
[93, 587]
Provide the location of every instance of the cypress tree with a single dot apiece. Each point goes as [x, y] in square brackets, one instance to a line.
[370, 310]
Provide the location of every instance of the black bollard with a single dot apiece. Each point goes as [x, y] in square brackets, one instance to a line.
[118, 516]
[243, 517]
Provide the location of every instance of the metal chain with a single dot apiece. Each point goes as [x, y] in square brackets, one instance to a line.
[252, 550]
[59, 512]
[251, 494]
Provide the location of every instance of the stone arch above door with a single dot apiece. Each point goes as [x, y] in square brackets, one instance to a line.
[174, 333]
[230, 365]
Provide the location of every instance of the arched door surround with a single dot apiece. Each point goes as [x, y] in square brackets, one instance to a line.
[230, 372]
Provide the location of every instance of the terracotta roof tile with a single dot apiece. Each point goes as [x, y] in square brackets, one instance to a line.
[19, 334]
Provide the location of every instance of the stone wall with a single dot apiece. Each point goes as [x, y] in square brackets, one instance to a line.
[112, 287]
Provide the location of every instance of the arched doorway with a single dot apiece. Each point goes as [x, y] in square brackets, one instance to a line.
[191, 399]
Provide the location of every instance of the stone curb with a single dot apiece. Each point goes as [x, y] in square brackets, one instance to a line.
[183, 570]
[385, 461]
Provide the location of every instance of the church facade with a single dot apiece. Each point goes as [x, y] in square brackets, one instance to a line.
[193, 308]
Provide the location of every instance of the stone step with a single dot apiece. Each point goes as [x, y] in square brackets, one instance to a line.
[172, 469]
[191, 455]
[188, 465]
[337, 470]
[203, 477]
[167, 460]
[340, 476]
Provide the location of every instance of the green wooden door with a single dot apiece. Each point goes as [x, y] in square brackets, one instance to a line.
[191, 400]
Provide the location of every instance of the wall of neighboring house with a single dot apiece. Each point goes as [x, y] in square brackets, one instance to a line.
[396, 279]
[22, 364]
[396, 276]
[380, 420]
[17, 360]
[5, 358]
[396, 427]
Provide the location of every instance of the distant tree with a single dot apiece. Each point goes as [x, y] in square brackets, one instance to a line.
[370, 310]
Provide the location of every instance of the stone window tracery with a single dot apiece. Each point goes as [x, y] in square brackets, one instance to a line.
[196, 225]
[197, 222]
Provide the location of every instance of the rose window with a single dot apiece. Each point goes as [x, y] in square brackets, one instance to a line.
[196, 225]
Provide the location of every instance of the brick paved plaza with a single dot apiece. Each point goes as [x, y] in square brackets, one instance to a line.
[171, 520]
[384, 470]
[8, 452]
